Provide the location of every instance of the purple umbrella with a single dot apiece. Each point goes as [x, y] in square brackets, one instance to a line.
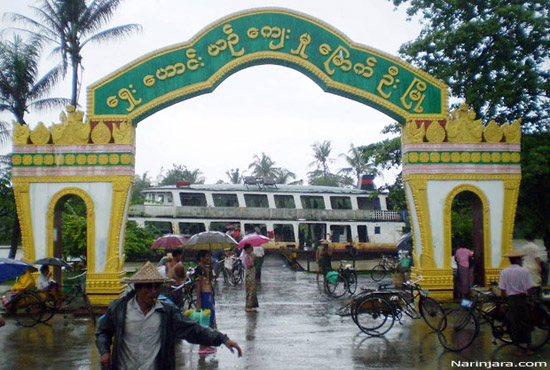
[169, 242]
[254, 240]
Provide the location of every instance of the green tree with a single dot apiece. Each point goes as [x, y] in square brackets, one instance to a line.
[141, 182]
[70, 25]
[284, 176]
[9, 223]
[180, 173]
[321, 153]
[20, 87]
[320, 178]
[263, 166]
[138, 241]
[74, 229]
[234, 176]
[358, 164]
[494, 54]
[533, 203]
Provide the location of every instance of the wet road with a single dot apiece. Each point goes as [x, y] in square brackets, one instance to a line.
[296, 328]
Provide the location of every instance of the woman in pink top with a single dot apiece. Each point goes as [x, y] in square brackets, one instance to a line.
[462, 257]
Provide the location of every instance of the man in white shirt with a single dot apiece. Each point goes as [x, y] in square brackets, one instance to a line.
[259, 252]
[140, 332]
[531, 261]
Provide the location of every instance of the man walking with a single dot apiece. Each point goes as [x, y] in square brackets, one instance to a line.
[515, 283]
[145, 330]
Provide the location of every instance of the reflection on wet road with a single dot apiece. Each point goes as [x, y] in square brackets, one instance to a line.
[296, 328]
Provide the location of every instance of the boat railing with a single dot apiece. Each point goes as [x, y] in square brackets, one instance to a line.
[263, 213]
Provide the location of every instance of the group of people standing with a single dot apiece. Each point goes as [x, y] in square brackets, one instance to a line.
[140, 331]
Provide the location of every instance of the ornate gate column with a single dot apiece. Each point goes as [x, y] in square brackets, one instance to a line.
[93, 160]
[442, 158]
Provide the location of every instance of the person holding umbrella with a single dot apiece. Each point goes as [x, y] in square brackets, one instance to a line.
[250, 279]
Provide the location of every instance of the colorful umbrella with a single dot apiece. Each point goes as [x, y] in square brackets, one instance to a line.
[254, 240]
[10, 268]
[210, 240]
[169, 242]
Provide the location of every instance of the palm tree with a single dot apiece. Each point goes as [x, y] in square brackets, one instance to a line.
[19, 90]
[234, 176]
[321, 153]
[284, 175]
[70, 25]
[358, 164]
[263, 166]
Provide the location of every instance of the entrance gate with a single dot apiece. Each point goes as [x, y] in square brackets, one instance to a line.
[94, 158]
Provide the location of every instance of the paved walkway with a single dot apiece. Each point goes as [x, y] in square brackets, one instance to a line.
[296, 328]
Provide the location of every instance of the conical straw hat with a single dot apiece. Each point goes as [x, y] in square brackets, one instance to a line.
[147, 274]
[514, 253]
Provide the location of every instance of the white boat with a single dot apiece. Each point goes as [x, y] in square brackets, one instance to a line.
[291, 215]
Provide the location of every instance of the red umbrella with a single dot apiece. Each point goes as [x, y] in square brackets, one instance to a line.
[254, 240]
[169, 242]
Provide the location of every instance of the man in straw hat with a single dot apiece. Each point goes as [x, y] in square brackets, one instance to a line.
[515, 283]
[145, 330]
[323, 256]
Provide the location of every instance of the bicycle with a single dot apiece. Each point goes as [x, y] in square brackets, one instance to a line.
[376, 311]
[27, 308]
[460, 326]
[54, 300]
[232, 270]
[387, 265]
[343, 280]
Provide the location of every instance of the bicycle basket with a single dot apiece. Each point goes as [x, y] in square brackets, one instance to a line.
[332, 276]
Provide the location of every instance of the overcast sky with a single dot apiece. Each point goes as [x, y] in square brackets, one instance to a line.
[270, 109]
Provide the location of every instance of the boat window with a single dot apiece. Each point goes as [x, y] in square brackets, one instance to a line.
[160, 198]
[255, 228]
[312, 202]
[362, 233]
[224, 227]
[284, 201]
[310, 234]
[225, 200]
[377, 229]
[193, 199]
[283, 233]
[256, 200]
[340, 233]
[340, 202]
[160, 227]
[191, 228]
[368, 204]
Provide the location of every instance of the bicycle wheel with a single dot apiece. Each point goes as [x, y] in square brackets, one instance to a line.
[378, 273]
[28, 309]
[50, 306]
[374, 315]
[336, 287]
[431, 311]
[540, 318]
[352, 282]
[457, 329]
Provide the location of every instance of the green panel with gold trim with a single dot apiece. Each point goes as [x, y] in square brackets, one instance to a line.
[268, 36]
[73, 159]
[462, 157]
